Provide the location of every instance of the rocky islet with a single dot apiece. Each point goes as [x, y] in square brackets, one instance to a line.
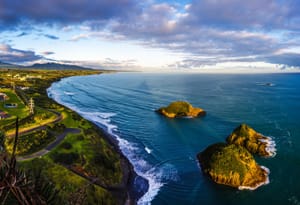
[233, 164]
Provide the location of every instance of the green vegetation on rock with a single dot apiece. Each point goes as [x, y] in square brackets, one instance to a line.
[180, 109]
[247, 137]
[231, 165]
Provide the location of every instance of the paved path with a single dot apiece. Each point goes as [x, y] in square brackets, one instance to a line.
[39, 127]
[52, 145]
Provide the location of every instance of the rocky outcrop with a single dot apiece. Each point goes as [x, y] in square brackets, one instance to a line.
[181, 109]
[254, 142]
[232, 165]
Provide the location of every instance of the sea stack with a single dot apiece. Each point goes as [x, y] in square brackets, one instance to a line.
[232, 165]
[254, 142]
[181, 109]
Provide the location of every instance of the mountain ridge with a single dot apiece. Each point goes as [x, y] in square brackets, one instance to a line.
[44, 66]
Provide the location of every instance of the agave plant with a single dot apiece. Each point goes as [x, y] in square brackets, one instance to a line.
[22, 187]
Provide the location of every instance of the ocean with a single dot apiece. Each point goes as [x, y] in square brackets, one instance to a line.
[164, 150]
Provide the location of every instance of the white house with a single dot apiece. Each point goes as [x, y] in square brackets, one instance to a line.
[3, 97]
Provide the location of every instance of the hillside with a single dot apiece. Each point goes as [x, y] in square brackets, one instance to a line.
[56, 66]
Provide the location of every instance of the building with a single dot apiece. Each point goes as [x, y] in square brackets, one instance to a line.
[3, 115]
[3, 97]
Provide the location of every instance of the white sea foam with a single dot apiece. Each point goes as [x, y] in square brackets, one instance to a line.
[270, 146]
[99, 117]
[53, 94]
[148, 150]
[260, 184]
[69, 93]
[154, 175]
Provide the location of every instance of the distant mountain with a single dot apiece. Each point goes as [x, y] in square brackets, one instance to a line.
[8, 65]
[43, 66]
[56, 66]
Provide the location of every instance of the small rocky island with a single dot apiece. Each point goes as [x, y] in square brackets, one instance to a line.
[181, 109]
[233, 164]
[254, 142]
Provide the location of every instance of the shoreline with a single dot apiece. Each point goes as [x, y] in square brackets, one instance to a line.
[130, 177]
[126, 191]
[267, 181]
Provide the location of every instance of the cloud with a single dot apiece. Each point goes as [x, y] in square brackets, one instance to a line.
[255, 14]
[80, 37]
[289, 59]
[106, 64]
[46, 53]
[209, 32]
[12, 55]
[13, 13]
[22, 34]
[205, 32]
[52, 37]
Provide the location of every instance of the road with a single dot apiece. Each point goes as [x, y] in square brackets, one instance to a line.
[51, 146]
[38, 127]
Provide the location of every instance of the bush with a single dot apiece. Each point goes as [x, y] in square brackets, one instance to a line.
[65, 158]
[66, 145]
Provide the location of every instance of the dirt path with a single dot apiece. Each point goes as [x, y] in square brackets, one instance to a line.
[50, 146]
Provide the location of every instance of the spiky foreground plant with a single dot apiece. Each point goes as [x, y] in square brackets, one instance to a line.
[18, 186]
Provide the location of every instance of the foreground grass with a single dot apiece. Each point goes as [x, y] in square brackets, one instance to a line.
[73, 189]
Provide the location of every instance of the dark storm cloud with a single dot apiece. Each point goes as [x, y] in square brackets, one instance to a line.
[237, 14]
[63, 12]
[12, 55]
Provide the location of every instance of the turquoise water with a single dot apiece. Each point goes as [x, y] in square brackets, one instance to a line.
[164, 150]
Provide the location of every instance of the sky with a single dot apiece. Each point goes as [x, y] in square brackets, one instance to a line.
[179, 35]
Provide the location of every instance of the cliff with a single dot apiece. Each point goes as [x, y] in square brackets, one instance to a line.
[232, 165]
[254, 142]
[181, 109]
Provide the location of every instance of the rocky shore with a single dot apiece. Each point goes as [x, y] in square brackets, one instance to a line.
[132, 186]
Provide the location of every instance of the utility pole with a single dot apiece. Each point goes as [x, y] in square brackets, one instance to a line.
[31, 106]
[13, 86]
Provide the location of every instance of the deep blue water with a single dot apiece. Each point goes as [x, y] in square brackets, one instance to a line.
[164, 150]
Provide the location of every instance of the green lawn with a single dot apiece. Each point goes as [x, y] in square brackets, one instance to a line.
[21, 111]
